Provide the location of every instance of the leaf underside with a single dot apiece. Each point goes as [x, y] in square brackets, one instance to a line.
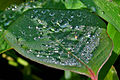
[66, 39]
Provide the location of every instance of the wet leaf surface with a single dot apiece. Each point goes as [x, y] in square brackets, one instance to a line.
[73, 40]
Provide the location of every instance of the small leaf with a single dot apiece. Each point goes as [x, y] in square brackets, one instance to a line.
[115, 36]
[107, 9]
[112, 74]
[74, 40]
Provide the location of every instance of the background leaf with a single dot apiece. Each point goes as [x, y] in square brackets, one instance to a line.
[105, 69]
[62, 42]
[107, 9]
[115, 36]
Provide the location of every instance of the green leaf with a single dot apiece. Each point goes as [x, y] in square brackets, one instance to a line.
[107, 9]
[74, 40]
[112, 74]
[115, 36]
[73, 4]
[5, 3]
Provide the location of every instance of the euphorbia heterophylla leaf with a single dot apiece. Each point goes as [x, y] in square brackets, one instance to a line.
[74, 40]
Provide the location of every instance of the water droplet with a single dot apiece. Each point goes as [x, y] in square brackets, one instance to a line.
[29, 27]
[48, 10]
[47, 56]
[23, 32]
[30, 35]
[76, 37]
[82, 54]
[37, 55]
[52, 29]
[7, 23]
[32, 16]
[93, 9]
[51, 14]
[70, 20]
[62, 14]
[35, 11]
[84, 16]
[43, 12]
[80, 20]
[35, 38]
[11, 16]
[76, 27]
[72, 16]
[37, 27]
[88, 36]
[65, 25]
[119, 14]
[39, 21]
[103, 12]
[1, 30]
[39, 37]
[13, 9]
[79, 15]
[29, 51]
[56, 51]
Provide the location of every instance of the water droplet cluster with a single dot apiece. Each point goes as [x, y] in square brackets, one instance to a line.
[51, 35]
[14, 11]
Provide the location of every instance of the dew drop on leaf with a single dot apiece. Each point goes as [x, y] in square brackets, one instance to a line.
[103, 12]
[52, 14]
[93, 9]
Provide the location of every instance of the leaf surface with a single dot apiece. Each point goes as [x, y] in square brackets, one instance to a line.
[74, 40]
